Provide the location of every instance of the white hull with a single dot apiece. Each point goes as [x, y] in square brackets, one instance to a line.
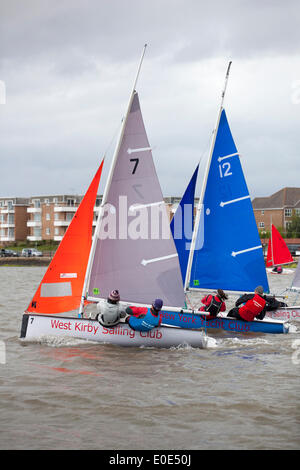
[286, 313]
[35, 327]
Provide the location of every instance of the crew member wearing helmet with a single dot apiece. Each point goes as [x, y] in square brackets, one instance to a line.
[110, 311]
[144, 318]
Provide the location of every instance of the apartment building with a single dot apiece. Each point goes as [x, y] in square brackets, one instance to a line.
[276, 209]
[50, 216]
[13, 219]
[47, 217]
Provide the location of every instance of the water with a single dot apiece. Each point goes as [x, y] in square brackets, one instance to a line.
[70, 394]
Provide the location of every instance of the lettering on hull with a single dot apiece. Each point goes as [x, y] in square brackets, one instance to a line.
[93, 328]
[284, 314]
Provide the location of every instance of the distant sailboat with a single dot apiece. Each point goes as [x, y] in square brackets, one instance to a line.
[296, 281]
[278, 252]
[291, 312]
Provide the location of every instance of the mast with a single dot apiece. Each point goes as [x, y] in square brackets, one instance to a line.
[272, 246]
[200, 204]
[108, 183]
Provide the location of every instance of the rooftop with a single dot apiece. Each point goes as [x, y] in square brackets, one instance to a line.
[286, 197]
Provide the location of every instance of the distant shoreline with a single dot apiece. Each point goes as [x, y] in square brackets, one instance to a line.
[22, 261]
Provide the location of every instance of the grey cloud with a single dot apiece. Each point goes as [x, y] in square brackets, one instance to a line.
[68, 66]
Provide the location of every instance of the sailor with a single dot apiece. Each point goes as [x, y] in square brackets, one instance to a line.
[271, 302]
[144, 318]
[255, 307]
[213, 304]
[277, 269]
[110, 311]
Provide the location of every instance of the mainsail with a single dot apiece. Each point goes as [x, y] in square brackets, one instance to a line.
[278, 252]
[134, 251]
[61, 287]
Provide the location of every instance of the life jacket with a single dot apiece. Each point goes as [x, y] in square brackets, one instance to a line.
[214, 307]
[109, 314]
[145, 322]
[252, 308]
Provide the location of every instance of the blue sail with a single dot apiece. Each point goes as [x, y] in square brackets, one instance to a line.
[228, 253]
[182, 224]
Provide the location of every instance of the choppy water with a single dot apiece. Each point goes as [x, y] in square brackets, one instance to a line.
[243, 394]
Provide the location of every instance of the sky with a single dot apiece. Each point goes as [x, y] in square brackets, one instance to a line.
[67, 68]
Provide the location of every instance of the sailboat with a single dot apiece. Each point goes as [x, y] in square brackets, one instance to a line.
[291, 313]
[132, 251]
[225, 250]
[278, 252]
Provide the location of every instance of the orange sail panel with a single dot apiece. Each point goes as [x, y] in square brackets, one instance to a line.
[61, 287]
[278, 252]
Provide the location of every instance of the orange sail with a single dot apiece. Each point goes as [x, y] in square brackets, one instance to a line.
[61, 287]
[278, 252]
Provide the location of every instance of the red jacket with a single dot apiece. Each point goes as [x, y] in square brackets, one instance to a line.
[252, 308]
[207, 301]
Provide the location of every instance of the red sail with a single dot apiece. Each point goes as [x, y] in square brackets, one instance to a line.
[278, 252]
[61, 287]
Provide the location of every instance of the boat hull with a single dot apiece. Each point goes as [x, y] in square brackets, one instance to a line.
[187, 319]
[285, 314]
[34, 327]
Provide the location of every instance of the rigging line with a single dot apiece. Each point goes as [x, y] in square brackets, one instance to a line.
[113, 137]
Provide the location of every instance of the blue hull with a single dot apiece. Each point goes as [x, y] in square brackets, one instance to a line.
[193, 320]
